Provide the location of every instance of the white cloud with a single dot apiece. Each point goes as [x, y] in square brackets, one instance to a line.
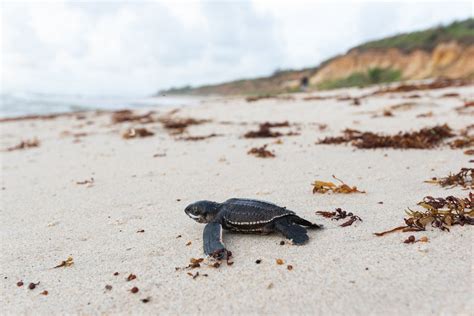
[110, 47]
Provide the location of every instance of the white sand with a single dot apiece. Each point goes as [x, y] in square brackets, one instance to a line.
[46, 217]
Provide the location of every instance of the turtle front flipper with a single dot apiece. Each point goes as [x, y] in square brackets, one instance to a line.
[296, 233]
[213, 245]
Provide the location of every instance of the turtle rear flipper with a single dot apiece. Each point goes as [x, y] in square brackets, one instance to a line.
[213, 245]
[296, 233]
[301, 221]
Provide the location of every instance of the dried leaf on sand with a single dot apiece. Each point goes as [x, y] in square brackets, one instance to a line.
[67, 263]
[325, 186]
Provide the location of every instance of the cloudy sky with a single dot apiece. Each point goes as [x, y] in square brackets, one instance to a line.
[138, 47]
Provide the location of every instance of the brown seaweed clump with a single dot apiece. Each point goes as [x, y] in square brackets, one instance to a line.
[325, 186]
[441, 213]
[340, 214]
[265, 130]
[463, 178]
[137, 132]
[437, 84]
[24, 144]
[198, 138]
[128, 116]
[261, 152]
[425, 138]
[179, 125]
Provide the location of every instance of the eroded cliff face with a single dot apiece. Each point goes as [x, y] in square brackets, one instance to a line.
[450, 60]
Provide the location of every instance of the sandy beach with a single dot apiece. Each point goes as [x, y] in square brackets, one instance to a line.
[117, 205]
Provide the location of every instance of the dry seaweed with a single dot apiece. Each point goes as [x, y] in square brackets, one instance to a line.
[441, 213]
[450, 95]
[463, 178]
[427, 114]
[436, 84]
[198, 138]
[128, 116]
[324, 186]
[340, 214]
[67, 263]
[24, 144]
[262, 132]
[90, 182]
[425, 138]
[179, 125]
[134, 290]
[261, 152]
[137, 132]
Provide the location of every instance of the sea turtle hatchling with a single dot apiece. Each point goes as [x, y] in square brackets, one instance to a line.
[245, 216]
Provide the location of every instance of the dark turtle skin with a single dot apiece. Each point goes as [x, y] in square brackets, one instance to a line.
[246, 216]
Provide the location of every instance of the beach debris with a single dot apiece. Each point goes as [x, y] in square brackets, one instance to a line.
[134, 290]
[198, 138]
[131, 277]
[24, 144]
[450, 95]
[425, 138]
[282, 243]
[108, 287]
[340, 214]
[275, 124]
[128, 116]
[427, 114]
[146, 299]
[440, 213]
[265, 130]
[194, 263]
[137, 132]
[141, 231]
[45, 292]
[261, 152]
[159, 155]
[262, 132]
[66, 263]
[280, 261]
[289, 267]
[258, 261]
[270, 286]
[325, 186]
[423, 239]
[463, 178]
[89, 182]
[116, 273]
[189, 243]
[411, 239]
[179, 125]
[32, 285]
[19, 283]
[436, 84]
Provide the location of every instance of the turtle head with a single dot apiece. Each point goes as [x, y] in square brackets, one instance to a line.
[202, 211]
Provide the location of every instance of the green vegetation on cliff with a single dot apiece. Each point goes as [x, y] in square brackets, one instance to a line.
[361, 79]
[462, 32]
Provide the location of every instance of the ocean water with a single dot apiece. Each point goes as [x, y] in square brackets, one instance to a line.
[18, 104]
